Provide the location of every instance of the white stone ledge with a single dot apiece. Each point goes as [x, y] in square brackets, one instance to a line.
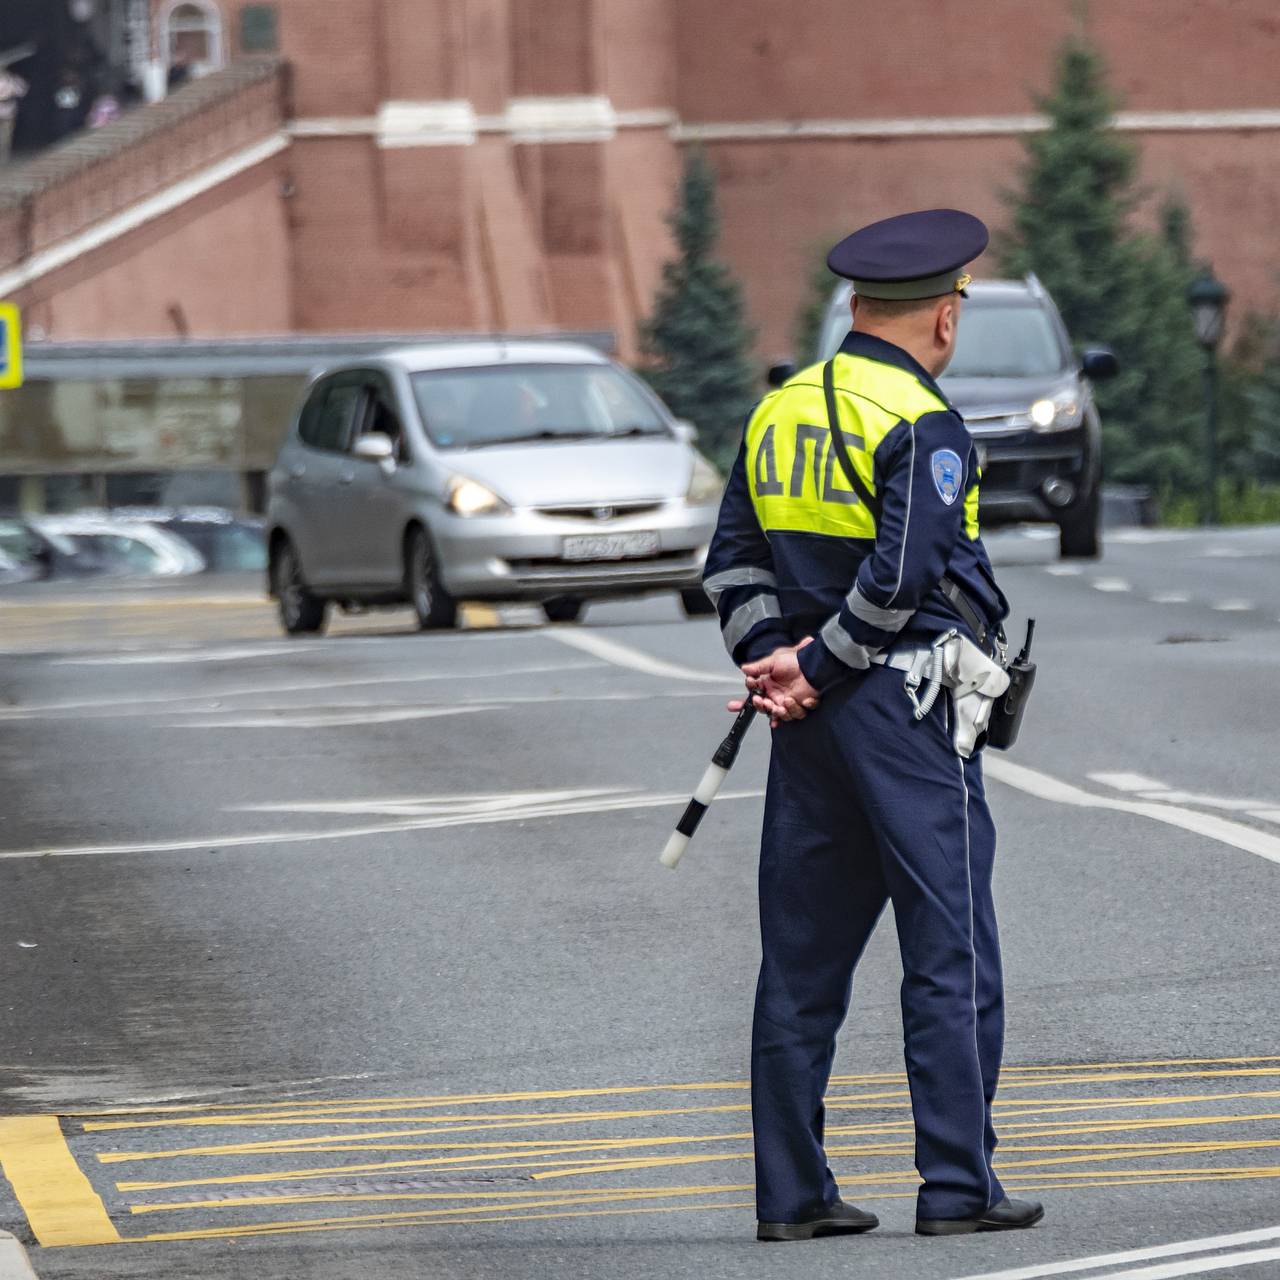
[593, 119]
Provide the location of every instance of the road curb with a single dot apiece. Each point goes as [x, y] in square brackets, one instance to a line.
[14, 1263]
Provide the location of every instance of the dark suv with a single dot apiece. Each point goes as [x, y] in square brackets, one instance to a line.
[1028, 403]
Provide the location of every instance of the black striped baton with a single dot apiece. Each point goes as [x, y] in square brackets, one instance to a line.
[709, 787]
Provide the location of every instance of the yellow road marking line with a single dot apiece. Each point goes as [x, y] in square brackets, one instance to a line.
[411, 1218]
[444, 1100]
[1159, 1151]
[346, 1116]
[60, 1204]
[480, 616]
[584, 1165]
[516, 1199]
[376, 1141]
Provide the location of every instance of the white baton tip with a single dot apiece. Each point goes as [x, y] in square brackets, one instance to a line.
[674, 851]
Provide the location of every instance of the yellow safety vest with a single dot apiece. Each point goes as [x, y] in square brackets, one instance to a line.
[796, 481]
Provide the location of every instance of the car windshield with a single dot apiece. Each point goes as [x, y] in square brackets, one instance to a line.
[471, 408]
[1006, 342]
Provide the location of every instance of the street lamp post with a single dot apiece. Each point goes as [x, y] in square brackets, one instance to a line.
[1207, 297]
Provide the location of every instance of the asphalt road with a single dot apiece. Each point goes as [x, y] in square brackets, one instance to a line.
[351, 957]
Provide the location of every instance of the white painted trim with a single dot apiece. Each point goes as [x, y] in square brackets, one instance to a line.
[333, 127]
[446, 123]
[578, 118]
[586, 118]
[156, 206]
[965, 126]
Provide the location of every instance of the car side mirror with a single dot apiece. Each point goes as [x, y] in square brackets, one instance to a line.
[376, 447]
[1099, 364]
[781, 372]
[684, 430]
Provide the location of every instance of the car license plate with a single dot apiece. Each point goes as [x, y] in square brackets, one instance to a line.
[610, 546]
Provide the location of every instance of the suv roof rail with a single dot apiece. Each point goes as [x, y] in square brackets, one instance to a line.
[1033, 283]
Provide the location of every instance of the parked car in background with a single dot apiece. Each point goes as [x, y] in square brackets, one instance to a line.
[44, 555]
[124, 547]
[228, 542]
[12, 571]
[485, 470]
[1028, 403]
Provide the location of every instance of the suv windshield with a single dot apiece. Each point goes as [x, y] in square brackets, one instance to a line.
[1008, 341]
[471, 408]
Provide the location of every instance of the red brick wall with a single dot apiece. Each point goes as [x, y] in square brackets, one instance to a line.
[529, 235]
[223, 261]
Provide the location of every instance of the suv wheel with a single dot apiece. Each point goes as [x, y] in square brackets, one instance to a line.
[301, 613]
[1079, 534]
[696, 603]
[435, 607]
[564, 608]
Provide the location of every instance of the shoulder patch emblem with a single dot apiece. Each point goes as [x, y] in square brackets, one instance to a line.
[948, 474]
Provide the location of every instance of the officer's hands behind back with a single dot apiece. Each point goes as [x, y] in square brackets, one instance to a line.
[778, 687]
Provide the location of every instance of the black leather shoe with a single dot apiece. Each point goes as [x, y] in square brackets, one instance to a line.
[1008, 1215]
[838, 1219]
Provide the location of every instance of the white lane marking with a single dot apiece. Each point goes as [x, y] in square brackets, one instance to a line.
[1128, 781]
[1198, 1267]
[1227, 553]
[1169, 597]
[1150, 789]
[1141, 537]
[175, 656]
[1233, 606]
[1064, 570]
[1180, 1249]
[300, 686]
[424, 806]
[1110, 584]
[1041, 785]
[14, 1263]
[332, 719]
[565, 809]
[1208, 825]
[622, 655]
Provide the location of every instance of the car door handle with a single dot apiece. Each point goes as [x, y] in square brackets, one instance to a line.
[297, 471]
[347, 477]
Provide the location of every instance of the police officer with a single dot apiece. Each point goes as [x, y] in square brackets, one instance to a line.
[847, 544]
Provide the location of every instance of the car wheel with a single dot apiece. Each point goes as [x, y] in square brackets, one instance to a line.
[435, 607]
[564, 608]
[1079, 534]
[301, 613]
[696, 603]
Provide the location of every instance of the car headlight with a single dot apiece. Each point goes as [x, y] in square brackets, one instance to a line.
[1058, 413]
[706, 484]
[471, 498]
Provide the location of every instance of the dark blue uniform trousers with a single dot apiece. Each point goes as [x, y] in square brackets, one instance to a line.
[867, 805]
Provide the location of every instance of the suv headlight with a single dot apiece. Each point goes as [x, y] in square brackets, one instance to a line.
[471, 498]
[1062, 411]
[706, 484]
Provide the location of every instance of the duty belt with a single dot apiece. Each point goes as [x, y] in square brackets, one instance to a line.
[982, 630]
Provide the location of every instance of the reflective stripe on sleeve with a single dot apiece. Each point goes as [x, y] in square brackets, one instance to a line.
[843, 646]
[873, 614]
[743, 618]
[718, 583]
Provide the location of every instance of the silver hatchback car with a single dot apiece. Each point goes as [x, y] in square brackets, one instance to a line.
[485, 470]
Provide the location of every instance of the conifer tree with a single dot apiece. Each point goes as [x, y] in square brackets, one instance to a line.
[1071, 226]
[813, 309]
[697, 340]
